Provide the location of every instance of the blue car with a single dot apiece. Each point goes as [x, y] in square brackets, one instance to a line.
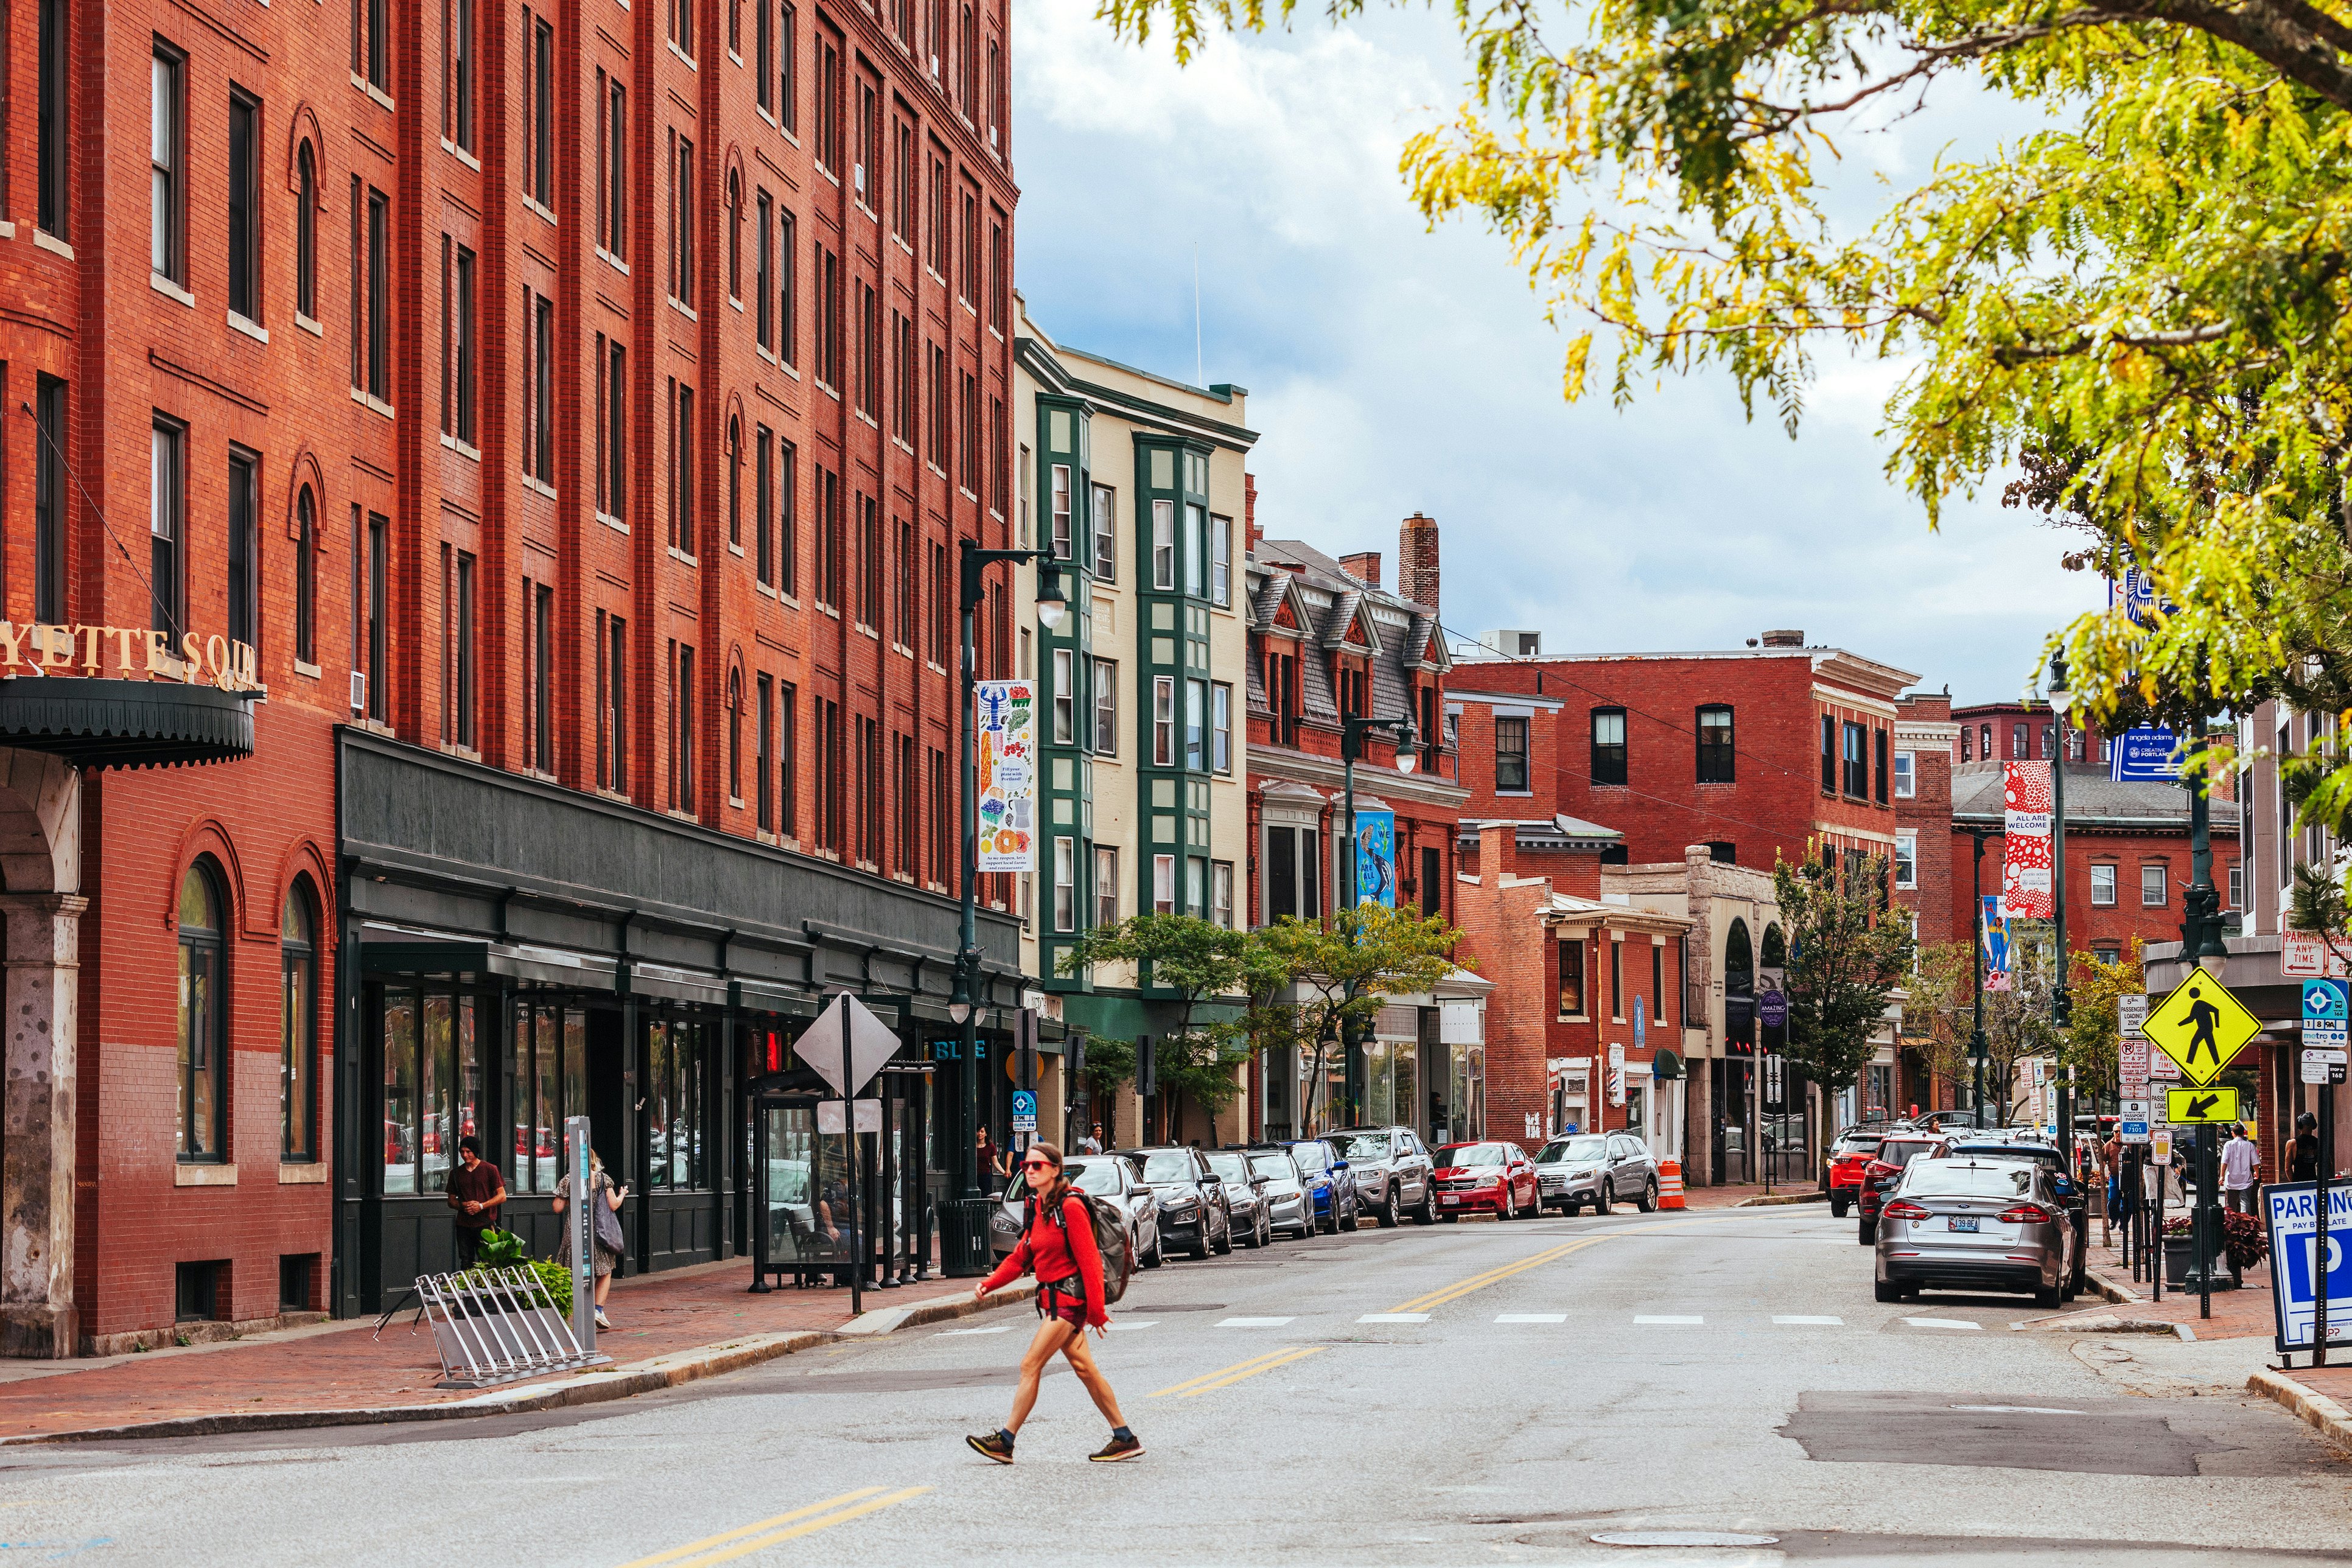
[1325, 1174]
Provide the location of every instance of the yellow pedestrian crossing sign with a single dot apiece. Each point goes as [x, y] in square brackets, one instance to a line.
[2201, 1025]
[2192, 1105]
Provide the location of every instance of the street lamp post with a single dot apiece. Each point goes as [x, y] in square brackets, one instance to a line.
[964, 1237]
[2061, 1006]
[2202, 947]
[1352, 745]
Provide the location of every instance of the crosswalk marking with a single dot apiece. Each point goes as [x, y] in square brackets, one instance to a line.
[1677, 1320]
[992, 1328]
[1253, 1322]
[1393, 1318]
[1810, 1322]
[1942, 1323]
[1531, 1317]
[1122, 1327]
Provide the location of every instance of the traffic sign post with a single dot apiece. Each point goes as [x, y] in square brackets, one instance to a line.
[1025, 1111]
[2201, 1107]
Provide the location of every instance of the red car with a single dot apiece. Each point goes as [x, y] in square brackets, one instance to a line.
[1886, 1168]
[1486, 1178]
[1853, 1150]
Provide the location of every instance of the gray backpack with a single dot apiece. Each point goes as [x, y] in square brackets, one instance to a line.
[1111, 1241]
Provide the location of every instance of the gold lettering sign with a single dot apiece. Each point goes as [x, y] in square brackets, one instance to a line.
[126, 652]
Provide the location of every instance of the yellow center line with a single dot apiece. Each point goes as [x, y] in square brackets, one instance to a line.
[730, 1544]
[1235, 1374]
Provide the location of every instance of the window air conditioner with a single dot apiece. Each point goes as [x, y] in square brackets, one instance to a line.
[359, 691]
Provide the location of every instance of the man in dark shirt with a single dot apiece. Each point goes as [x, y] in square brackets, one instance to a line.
[476, 1190]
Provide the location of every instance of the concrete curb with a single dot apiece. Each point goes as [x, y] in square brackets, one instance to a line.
[1776, 1199]
[2314, 1408]
[2110, 1291]
[596, 1388]
[2105, 1324]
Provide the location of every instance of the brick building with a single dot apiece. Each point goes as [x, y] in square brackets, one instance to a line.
[1926, 862]
[586, 465]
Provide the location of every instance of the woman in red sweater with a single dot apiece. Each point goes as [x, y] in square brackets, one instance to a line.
[1059, 1248]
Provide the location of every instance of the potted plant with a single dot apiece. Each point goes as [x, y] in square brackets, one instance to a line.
[2243, 1239]
[2180, 1243]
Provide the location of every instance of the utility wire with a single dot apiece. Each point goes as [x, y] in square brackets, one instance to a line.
[26, 409]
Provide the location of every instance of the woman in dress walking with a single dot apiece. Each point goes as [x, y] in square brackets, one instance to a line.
[609, 1245]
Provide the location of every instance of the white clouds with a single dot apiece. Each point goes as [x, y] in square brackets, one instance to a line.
[1394, 370]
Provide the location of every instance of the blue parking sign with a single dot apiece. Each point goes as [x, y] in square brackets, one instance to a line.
[2292, 1210]
[1024, 1111]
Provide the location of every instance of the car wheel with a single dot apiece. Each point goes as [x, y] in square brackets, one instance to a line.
[1265, 1230]
[1886, 1291]
[1355, 1217]
[1868, 1232]
[1838, 1207]
[1155, 1257]
[1427, 1213]
[1224, 1243]
[1510, 1204]
[2066, 1291]
[1200, 1247]
[1607, 1202]
[1388, 1215]
[1649, 1201]
[2047, 1296]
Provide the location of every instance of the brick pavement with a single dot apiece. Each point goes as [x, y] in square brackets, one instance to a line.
[347, 1366]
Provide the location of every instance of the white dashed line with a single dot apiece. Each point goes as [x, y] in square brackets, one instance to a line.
[1122, 1327]
[1676, 1320]
[1393, 1318]
[1810, 1322]
[1942, 1323]
[1253, 1322]
[998, 1329]
[1531, 1317]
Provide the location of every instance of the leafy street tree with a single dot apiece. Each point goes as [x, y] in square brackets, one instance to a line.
[1938, 1014]
[2017, 1019]
[1846, 959]
[1342, 972]
[1195, 960]
[2142, 302]
[2094, 988]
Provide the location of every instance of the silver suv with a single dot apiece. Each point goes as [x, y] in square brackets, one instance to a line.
[1391, 1168]
[1597, 1168]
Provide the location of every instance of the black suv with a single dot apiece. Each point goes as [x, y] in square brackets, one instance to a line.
[1195, 1210]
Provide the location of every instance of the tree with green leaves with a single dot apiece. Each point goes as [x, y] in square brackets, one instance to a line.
[1320, 985]
[2142, 304]
[1847, 956]
[1195, 962]
[2094, 1037]
[1939, 1014]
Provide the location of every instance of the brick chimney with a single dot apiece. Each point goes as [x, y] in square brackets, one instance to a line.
[1417, 559]
[1784, 639]
[1498, 852]
[1250, 529]
[1364, 566]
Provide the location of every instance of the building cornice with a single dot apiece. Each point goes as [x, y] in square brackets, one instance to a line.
[1280, 765]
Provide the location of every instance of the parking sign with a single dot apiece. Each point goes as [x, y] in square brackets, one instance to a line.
[2292, 1208]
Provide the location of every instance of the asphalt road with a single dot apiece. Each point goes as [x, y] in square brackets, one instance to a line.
[1471, 1393]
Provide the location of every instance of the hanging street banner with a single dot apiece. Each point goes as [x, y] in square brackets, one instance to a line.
[1996, 944]
[2148, 753]
[2201, 1025]
[1375, 857]
[2292, 1211]
[2025, 841]
[1007, 712]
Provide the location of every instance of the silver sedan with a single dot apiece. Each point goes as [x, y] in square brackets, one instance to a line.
[1290, 1202]
[1975, 1225]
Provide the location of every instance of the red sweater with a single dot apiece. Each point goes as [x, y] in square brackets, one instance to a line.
[1056, 1253]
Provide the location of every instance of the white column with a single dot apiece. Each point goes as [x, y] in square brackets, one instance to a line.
[38, 1315]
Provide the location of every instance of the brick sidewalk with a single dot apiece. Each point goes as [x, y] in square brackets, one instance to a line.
[1734, 1194]
[346, 1366]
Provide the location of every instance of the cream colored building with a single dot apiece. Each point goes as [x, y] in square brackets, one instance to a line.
[1137, 483]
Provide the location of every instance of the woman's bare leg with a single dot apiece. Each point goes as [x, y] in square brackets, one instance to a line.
[1049, 1339]
[1081, 1356]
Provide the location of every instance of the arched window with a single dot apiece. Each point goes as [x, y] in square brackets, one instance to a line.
[735, 735]
[204, 1013]
[306, 233]
[298, 1027]
[734, 235]
[306, 577]
[735, 481]
[1738, 983]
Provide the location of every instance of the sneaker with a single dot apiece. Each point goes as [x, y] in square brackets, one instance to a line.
[1118, 1449]
[995, 1446]
[602, 1320]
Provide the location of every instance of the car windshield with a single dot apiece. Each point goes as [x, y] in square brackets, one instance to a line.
[1277, 1166]
[1858, 1142]
[1902, 1153]
[1311, 1156]
[2041, 1154]
[1231, 1167]
[1363, 1146]
[1171, 1166]
[1099, 1177]
[1461, 1156]
[1572, 1150]
[1951, 1179]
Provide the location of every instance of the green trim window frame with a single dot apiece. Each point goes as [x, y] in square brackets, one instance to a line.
[1221, 727]
[1066, 697]
[1106, 708]
[1058, 495]
[1221, 560]
[1163, 884]
[203, 1043]
[1163, 546]
[1103, 515]
[1065, 884]
[297, 1026]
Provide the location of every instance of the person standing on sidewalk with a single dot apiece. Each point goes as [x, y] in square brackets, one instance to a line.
[2303, 1165]
[607, 1209]
[1058, 1247]
[2241, 1162]
[476, 1190]
[990, 1163]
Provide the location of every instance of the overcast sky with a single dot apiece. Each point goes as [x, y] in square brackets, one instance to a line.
[1392, 370]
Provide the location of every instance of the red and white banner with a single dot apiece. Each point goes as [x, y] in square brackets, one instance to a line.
[2025, 841]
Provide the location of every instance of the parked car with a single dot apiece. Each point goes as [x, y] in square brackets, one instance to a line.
[1325, 1174]
[1192, 1204]
[1392, 1169]
[1854, 1149]
[1246, 1205]
[2070, 1191]
[1975, 1223]
[1486, 1178]
[1569, 1171]
[1112, 1180]
[1290, 1202]
[1896, 1153]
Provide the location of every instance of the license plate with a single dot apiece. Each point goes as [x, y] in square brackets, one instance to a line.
[1450, 1200]
[1965, 1223]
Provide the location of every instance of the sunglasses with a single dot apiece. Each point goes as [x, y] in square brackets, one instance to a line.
[1036, 1164]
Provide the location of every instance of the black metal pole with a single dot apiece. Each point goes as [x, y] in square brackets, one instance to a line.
[1977, 967]
[963, 1172]
[2319, 1249]
[860, 1244]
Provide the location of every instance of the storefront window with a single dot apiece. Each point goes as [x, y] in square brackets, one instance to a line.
[550, 1083]
[431, 1084]
[299, 1028]
[204, 1042]
[400, 1139]
[677, 1062]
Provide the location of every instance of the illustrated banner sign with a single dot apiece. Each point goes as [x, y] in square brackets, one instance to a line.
[1375, 857]
[2025, 840]
[1007, 711]
[1996, 944]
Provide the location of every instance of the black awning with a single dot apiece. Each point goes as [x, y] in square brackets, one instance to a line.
[1665, 1064]
[98, 723]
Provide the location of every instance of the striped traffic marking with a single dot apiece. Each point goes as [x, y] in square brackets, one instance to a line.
[1810, 1322]
[1942, 1323]
[1253, 1322]
[1226, 1376]
[1462, 1288]
[749, 1537]
[993, 1329]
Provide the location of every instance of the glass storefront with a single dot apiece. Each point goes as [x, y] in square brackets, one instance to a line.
[432, 1076]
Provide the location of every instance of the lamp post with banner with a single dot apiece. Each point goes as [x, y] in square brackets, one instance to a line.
[1352, 745]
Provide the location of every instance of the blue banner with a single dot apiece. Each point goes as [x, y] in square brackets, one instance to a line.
[1375, 857]
[2148, 753]
[1996, 944]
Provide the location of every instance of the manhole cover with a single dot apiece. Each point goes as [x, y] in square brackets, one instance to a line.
[1681, 1538]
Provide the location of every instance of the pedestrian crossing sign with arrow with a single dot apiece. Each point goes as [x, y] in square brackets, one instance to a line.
[2192, 1105]
[2201, 1025]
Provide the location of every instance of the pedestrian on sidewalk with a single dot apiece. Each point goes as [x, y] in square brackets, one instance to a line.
[1092, 1143]
[2240, 1163]
[1057, 1245]
[991, 1174]
[609, 1245]
[2303, 1165]
[476, 1190]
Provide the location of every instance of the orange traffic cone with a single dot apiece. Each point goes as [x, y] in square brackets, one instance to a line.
[1670, 1184]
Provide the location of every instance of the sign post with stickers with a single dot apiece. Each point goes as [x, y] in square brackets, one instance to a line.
[2200, 1026]
[2324, 1021]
